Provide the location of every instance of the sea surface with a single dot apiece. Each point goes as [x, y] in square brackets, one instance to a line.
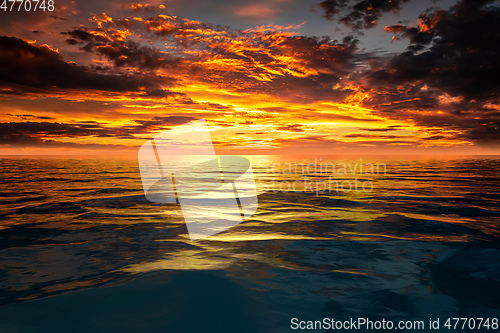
[400, 239]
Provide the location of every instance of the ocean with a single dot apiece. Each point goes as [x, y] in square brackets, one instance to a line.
[400, 239]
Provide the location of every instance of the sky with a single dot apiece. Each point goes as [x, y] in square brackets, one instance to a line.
[320, 77]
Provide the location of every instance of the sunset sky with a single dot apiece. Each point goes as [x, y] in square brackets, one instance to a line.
[270, 77]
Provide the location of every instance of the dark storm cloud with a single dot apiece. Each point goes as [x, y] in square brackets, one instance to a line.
[85, 36]
[121, 53]
[26, 66]
[39, 132]
[331, 8]
[449, 74]
[32, 131]
[359, 14]
[324, 54]
[25, 140]
[457, 51]
[487, 134]
[133, 55]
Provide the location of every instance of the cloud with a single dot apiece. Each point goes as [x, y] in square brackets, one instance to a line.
[33, 132]
[156, 122]
[444, 83]
[359, 14]
[26, 66]
[331, 8]
[114, 46]
[269, 59]
[14, 133]
[290, 68]
[456, 50]
[448, 75]
[30, 116]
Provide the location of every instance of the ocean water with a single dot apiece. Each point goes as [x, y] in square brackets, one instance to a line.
[82, 250]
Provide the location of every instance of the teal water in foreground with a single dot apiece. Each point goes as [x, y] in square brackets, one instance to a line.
[82, 250]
